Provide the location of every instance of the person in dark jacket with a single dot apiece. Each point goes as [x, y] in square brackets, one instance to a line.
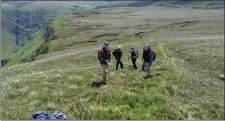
[104, 58]
[117, 53]
[134, 56]
[148, 59]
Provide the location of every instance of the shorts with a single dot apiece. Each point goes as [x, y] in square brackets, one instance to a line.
[104, 67]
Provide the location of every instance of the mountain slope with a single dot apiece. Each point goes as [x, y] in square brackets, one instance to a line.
[6, 43]
[23, 19]
[215, 4]
[172, 92]
[63, 55]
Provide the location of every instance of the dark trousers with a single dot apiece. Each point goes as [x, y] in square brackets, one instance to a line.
[134, 62]
[117, 64]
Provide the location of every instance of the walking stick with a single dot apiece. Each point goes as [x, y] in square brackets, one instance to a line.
[108, 71]
[108, 74]
[114, 64]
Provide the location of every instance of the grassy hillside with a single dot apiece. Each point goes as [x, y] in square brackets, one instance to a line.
[185, 82]
[6, 43]
[23, 19]
[213, 4]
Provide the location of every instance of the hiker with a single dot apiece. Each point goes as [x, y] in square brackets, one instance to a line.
[104, 58]
[134, 56]
[148, 59]
[143, 65]
[117, 53]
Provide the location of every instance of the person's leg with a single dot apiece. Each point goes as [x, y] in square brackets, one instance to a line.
[121, 64]
[147, 66]
[133, 62]
[150, 70]
[135, 66]
[104, 70]
[117, 64]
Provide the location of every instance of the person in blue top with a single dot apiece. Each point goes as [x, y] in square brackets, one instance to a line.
[134, 56]
[148, 59]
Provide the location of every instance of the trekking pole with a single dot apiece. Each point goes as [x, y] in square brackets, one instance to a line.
[108, 70]
[128, 61]
[108, 74]
[114, 64]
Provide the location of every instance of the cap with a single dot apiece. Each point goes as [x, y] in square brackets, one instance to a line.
[119, 47]
[106, 43]
[147, 45]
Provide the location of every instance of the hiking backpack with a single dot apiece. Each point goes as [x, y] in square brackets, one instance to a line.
[100, 51]
[116, 51]
[135, 50]
[154, 55]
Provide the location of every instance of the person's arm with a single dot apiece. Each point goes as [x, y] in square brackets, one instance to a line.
[114, 53]
[100, 56]
[109, 55]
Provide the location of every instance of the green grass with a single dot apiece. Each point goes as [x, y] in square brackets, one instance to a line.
[104, 100]
[185, 82]
[7, 43]
[66, 85]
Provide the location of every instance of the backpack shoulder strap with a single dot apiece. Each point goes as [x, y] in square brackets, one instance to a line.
[100, 54]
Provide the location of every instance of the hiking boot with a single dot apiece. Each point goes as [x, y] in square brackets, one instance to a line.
[103, 83]
[96, 84]
[147, 77]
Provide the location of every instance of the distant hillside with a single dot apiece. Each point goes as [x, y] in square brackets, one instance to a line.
[34, 33]
[22, 19]
[215, 4]
[7, 41]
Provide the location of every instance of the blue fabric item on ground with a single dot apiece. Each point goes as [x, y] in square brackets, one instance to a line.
[45, 116]
[59, 115]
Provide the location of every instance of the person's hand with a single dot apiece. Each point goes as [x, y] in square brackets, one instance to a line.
[107, 62]
[104, 61]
